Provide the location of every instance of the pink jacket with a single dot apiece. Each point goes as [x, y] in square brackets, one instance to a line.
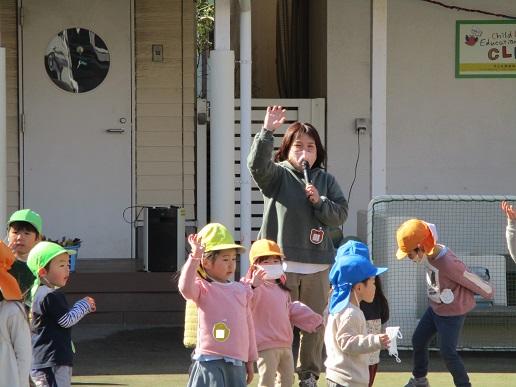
[275, 314]
[449, 272]
[226, 304]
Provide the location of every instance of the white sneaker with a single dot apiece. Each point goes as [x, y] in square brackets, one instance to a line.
[418, 382]
[311, 381]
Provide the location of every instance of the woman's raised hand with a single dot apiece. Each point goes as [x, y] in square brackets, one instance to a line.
[274, 118]
[509, 211]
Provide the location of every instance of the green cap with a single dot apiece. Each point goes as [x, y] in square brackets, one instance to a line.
[215, 236]
[42, 254]
[28, 216]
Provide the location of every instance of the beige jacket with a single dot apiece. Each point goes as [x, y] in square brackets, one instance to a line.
[15, 345]
[348, 346]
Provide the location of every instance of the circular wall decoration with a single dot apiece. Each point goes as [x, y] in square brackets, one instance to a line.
[77, 60]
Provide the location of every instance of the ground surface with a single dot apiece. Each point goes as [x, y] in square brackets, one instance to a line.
[155, 357]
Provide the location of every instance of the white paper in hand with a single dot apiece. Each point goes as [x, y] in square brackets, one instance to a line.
[394, 333]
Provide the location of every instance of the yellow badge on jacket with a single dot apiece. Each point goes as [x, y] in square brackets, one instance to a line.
[221, 331]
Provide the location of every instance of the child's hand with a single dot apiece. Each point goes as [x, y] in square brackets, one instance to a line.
[384, 340]
[274, 117]
[509, 211]
[197, 248]
[312, 194]
[249, 368]
[258, 277]
[91, 303]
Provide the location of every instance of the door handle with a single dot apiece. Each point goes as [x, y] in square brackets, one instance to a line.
[116, 130]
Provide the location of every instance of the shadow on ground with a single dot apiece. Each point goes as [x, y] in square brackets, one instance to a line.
[116, 350]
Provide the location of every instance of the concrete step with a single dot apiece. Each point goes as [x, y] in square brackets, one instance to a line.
[129, 297]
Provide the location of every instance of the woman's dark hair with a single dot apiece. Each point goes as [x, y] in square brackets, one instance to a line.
[381, 300]
[294, 131]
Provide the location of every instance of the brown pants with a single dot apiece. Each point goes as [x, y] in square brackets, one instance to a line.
[312, 290]
[276, 367]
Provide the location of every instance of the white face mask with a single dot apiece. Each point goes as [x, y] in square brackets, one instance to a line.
[273, 271]
[394, 333]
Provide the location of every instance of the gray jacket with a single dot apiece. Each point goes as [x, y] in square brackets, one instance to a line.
[288, 217]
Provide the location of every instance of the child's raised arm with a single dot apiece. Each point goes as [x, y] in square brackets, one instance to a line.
[510, 231]
[187, 285]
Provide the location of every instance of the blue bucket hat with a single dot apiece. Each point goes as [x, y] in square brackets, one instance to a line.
[352, 265]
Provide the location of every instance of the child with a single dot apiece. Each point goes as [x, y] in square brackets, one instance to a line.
[274, 315]
[376, 314]
[15, 348]
[510, 231]
[24, 232]
[52, 319]
[225, 346]
[450, 288]
[298, 215]
[348, 344]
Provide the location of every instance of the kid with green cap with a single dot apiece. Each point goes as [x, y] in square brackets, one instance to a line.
[24, 232]
[52, 318]
[226, 345]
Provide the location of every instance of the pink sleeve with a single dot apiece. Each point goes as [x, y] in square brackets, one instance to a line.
[253, 351]
[458, 272]
[303, 317]
[189, 282]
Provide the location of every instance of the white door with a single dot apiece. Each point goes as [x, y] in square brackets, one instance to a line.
[77, 163]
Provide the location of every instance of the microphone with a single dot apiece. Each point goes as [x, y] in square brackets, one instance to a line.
[306, 171]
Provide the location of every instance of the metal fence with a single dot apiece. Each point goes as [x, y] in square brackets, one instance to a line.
[473, 227]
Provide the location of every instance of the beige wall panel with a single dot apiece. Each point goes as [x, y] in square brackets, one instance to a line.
[159, 138]
[163, 183]
[160, 110]
[189, 138]
[160, 168]
[147, 197]
[155, 95]
[159, 124]
[160, 153]
[189, 153]
[12, 157]
[162, 89]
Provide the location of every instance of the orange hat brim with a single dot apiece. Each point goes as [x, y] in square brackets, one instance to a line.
[9, 287]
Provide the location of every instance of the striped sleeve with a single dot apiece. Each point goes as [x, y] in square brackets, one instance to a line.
[80, 309]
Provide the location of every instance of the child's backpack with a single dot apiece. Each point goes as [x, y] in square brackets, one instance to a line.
[192, 319]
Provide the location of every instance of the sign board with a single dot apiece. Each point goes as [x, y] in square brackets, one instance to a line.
[485, 49]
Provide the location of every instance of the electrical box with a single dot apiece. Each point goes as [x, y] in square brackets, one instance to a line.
[161, 239]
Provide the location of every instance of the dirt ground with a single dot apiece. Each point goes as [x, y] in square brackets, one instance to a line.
[116, 350]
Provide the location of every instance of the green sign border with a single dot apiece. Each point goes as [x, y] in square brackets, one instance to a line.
[458, 23]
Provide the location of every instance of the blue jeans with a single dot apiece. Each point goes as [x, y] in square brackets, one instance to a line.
[448, 328]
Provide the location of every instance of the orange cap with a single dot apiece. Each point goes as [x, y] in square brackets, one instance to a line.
[8, 285]
[412, 234]
[263, 248]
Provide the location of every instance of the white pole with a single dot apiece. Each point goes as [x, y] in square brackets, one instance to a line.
[379, 97]
[222, 121]
[245, 129]
[3, 141]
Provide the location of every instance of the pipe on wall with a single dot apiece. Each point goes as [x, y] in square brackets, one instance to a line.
[3, 140]
[245, 129]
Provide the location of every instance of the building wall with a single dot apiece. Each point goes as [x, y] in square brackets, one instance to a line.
[8, 39]
[165, 148]
[444, 135]
[348, 97]
[165, 151]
